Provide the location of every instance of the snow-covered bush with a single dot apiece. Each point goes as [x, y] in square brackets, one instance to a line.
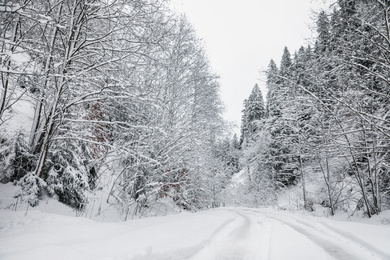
[15, 159]
[32, 187]
[68, 177]
[6, 159]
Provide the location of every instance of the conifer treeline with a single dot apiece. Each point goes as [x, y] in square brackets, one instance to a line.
[326, 119]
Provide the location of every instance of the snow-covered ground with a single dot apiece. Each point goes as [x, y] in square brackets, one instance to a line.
[225, 233]
[52, 231]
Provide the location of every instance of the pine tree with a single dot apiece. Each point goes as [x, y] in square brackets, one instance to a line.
[273, 86]
[285, 63]
[255, 110]
[281, 157]
[323, 40]
[253, 113]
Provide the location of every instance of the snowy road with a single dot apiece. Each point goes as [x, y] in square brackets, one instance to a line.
[257, 234]
[231, 233]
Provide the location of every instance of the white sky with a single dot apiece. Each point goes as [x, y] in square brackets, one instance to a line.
[242, 36]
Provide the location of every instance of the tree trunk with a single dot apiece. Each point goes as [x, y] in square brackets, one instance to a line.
[303, 183]
[35, 140]
[5, 79]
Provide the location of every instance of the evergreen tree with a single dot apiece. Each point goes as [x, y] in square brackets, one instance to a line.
[272, 85]
[323, 40]
[253, 113]
[285, 63]
[281, 158]
[254, 110]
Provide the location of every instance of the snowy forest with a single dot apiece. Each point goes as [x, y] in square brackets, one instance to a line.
[325, 126]
[119, 98]
[118, 92]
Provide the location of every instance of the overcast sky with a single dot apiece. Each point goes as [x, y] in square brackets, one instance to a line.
[242, 36]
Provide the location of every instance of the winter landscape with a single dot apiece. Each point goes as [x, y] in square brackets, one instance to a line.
[114, 142]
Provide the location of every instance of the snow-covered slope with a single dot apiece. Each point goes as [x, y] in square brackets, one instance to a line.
[235, 193]
[98, 209]
[22, 114]
[227, 233]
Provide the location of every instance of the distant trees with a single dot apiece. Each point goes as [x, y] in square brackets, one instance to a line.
[253, 113]
[258, 186]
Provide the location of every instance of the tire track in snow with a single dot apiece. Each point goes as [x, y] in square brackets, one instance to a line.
[331, 248]
[184, 252]
[327, 229]
[236, 242]
[327, 240]
[250, 240]
[204, 250]
[284, 242]
[261, 234]
[358, 240]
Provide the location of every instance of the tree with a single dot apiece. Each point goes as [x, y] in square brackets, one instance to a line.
[323, 42]
[345, 86]
[281, 158]
[253, 113]
[285, 63]
[180, 130]
[124, 80]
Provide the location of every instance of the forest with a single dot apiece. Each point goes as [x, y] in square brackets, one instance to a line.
[120, 96]
[325, 126]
